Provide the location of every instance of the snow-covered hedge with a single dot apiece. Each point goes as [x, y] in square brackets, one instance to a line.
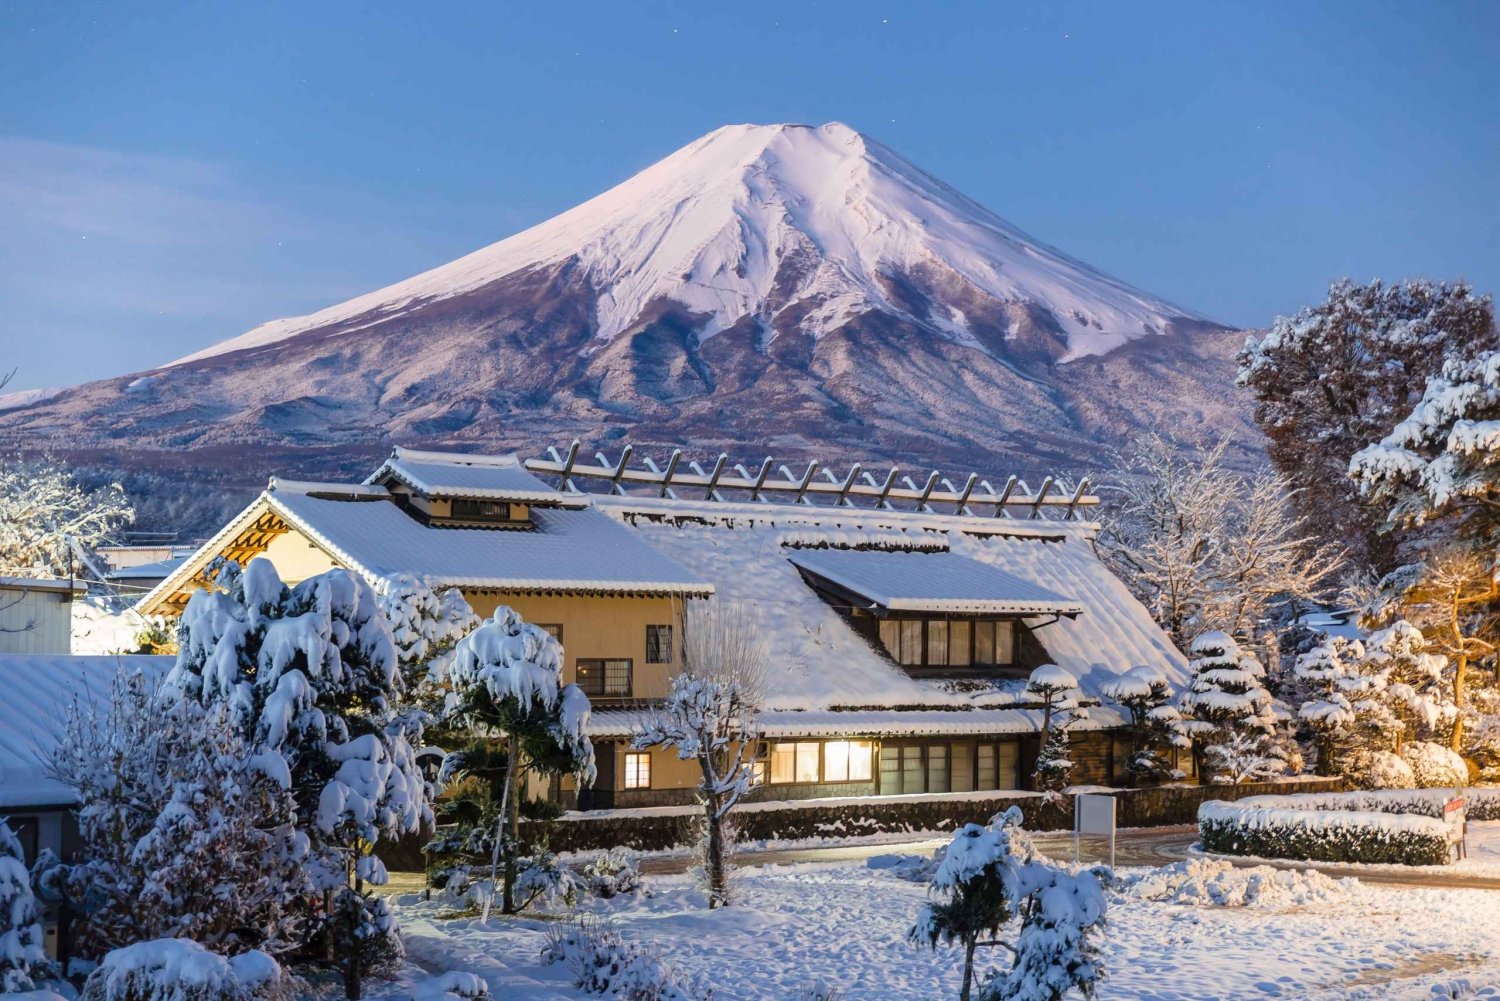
[1250, 827]
[179, 969]
[1483, 802]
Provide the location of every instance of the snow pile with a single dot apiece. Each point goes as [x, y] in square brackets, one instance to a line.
[178, 969]
[1216, 883]
[454, 985]
[756, 220]
[1248, 828]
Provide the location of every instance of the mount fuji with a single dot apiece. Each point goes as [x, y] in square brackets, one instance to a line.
[778, 289]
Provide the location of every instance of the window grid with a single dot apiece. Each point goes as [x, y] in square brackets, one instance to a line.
[604, 678]
[949, 642]
[637, 770]
[658, 644]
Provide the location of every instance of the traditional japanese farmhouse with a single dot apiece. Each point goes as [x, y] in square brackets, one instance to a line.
[902, 620]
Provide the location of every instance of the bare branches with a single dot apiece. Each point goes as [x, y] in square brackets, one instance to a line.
[1204, 547]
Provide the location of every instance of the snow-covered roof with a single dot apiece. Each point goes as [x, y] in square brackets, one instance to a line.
[931, 582]
[818, 660]
[872, 722]
[154, 570]
[42, 584]
[38, 689]
[566, 550]
[456, 474]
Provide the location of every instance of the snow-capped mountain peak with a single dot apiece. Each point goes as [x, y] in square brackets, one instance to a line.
[821, 224]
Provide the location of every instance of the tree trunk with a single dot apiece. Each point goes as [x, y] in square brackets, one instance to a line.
[513, 830]
[1460, 677]
[713, 853]
[963, 995]
[500, 835]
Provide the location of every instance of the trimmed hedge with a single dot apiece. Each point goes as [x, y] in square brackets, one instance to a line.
[1483, 801]
[1321, 835]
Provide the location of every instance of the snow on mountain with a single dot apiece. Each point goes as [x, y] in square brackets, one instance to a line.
[715, 225]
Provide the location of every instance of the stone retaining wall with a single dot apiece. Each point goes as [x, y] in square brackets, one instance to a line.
[656, 829]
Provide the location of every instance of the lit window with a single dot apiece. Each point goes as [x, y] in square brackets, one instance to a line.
[637, 770]
[604, 678]
[783, 762]
[937, 642]
[847, 760]
[794, 762]
[658, 644]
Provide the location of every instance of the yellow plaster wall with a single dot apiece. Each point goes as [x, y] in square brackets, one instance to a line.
[295, 558]
[600, 626]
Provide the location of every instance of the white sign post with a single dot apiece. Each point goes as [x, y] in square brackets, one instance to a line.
[1094, 816]
[1455, 812]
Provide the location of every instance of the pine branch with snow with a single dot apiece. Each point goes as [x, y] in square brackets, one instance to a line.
[712, 716]
[23, 946]
[1335, 377]
[1156, 728]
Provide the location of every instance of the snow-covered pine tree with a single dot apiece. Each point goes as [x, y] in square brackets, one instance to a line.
[1438, 473]
[1057, 691]
[1344, 707]
[23, 951]
[1227, 713]
[973, 889]
[1414, 690]
[508, 677]
[1058, 949]
[1335, 377]
[185, 831]
[310, 674]
[1156, 729]
[426, 625]
[987, 875]
[712, 716]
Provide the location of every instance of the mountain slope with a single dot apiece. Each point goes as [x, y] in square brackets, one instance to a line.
[766, 288]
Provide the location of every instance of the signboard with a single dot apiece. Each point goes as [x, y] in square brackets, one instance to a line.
[1094, 817]
[1455, 814]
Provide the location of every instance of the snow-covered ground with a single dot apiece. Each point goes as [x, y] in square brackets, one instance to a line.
[1200, 930]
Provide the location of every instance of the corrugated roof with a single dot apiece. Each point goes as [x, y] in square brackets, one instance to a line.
[38, 689]
[567, 550]
[454, 474]
[932, 582]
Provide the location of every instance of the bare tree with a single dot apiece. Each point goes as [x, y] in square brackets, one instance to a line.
[712, 716]
[1206, 548]
[47, 519]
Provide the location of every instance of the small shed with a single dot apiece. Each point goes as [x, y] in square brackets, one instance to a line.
[36, 615]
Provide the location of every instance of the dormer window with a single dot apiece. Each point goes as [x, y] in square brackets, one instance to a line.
[949, 642]
[467, 509]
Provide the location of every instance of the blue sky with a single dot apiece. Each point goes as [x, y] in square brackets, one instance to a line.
[173, 174]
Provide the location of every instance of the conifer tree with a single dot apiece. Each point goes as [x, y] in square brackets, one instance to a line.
[1156, 728]
[508, 677]
[1057, 690]
[23, 952]
[1228, 713]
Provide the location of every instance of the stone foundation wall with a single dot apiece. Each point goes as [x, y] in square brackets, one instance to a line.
[654, 830]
